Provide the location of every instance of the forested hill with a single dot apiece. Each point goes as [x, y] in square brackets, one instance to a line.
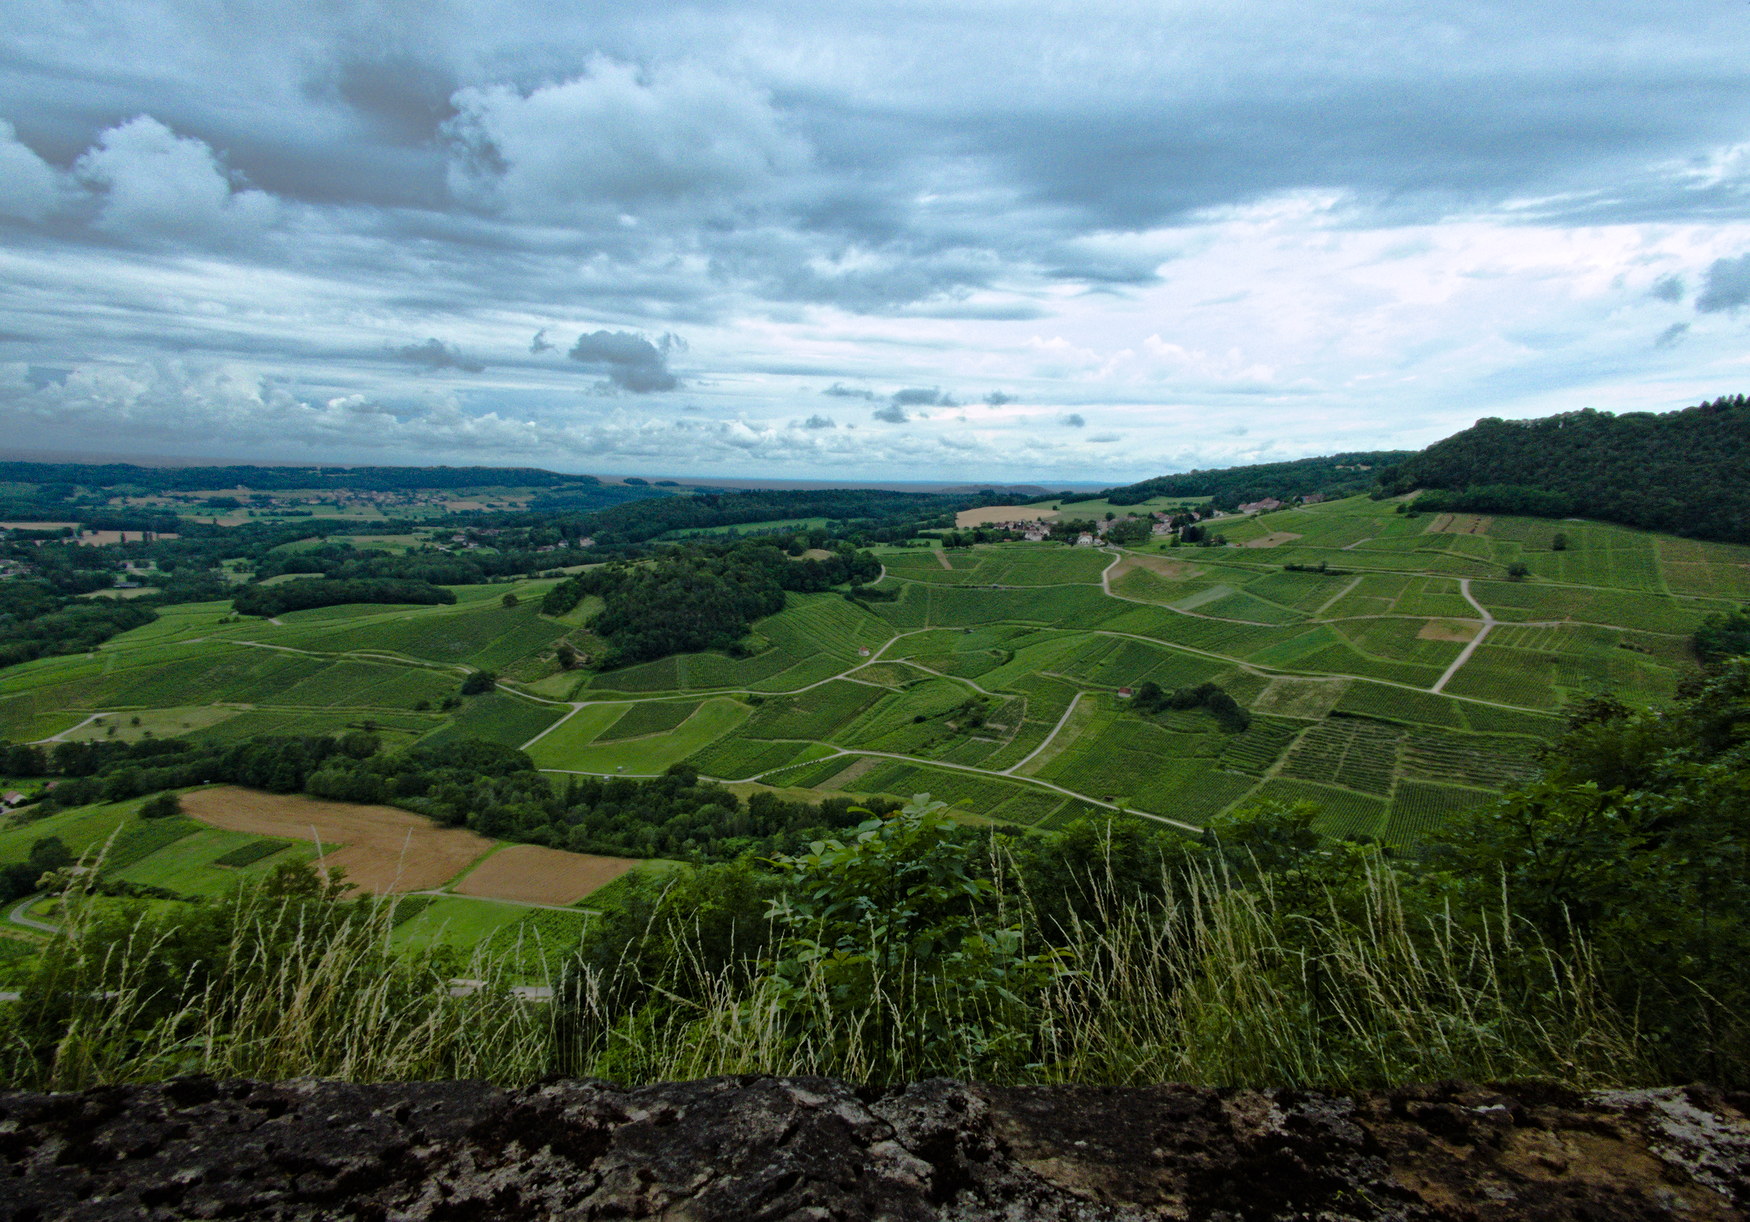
[268, 479]
[1332, 475]
[1685, 472]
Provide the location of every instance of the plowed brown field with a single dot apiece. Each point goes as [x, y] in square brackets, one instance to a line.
[530, 874]
[382, 849]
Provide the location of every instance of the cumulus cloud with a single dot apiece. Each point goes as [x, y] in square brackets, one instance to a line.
[1671, 336]
[839, 391]
[630, 361]
[434, 354]
[1727, 286]
[156, 184]
[1074, 420]
[540, 343]
[818, 421]
[616, 138]
[30, 188]
[893, 413]
[997, 398]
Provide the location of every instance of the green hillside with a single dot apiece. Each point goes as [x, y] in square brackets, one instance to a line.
[1682, 472]
[1393, 670]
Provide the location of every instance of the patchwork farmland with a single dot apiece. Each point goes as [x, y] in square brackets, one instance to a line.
[1394, 671]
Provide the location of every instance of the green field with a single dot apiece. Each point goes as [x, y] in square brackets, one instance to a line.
[961, 684]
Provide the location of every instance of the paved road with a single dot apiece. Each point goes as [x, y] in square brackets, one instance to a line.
[17, 917]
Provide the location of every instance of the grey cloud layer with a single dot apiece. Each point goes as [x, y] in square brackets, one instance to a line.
[323, 191]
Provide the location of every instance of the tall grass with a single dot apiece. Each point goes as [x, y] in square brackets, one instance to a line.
[1218, 986]
[1215, 984]
[293, 991]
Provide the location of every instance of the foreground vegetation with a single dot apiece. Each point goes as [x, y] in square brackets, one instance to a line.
[1588, 928]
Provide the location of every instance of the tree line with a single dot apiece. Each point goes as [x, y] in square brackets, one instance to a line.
[1680, 472]
[488, 787]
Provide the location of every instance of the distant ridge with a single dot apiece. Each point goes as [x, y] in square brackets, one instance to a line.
[1685, 472]
[1330, 475]
[279, 478]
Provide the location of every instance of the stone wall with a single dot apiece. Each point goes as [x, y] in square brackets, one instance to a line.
[796, 1149]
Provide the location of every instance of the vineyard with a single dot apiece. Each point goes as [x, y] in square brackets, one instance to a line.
[995, 672]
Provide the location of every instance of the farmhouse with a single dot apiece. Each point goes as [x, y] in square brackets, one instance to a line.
[1268, 502]
[11, 799]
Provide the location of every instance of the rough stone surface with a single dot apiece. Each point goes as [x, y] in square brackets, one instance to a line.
[802, 1149]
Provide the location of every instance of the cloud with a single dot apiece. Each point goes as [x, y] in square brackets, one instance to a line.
[1671, 336]
[630, 361]
[404, 98]
[920, 396]
[1727, 286]
[434, 354]
[1667, 288]
[997, 398]
[155, 184]
[1074, 420]
[30, 189]
[839, 391]
[818, 421]
[540, 343]
[616, 138]
[893, 413]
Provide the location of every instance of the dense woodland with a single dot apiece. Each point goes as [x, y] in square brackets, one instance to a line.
[876, 515]
[36, 621]
[701, 596]
[1333, 475]
[1679, 472]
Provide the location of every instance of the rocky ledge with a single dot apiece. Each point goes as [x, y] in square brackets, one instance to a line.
[794, 1149]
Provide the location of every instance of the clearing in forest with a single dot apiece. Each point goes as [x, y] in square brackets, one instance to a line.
[531, 874]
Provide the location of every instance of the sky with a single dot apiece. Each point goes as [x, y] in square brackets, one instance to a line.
[962, 239]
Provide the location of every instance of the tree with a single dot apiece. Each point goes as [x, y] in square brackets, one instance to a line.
[479, 681]
[162, 807]
[1517, 572]
[1559, 543]
[510, 600]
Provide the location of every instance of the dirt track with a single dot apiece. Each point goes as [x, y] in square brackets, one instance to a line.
[530, 874]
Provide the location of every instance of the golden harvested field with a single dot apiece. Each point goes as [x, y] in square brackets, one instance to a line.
[1004, 513]
[530, 874]
[385, 850]
[1275, 538]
